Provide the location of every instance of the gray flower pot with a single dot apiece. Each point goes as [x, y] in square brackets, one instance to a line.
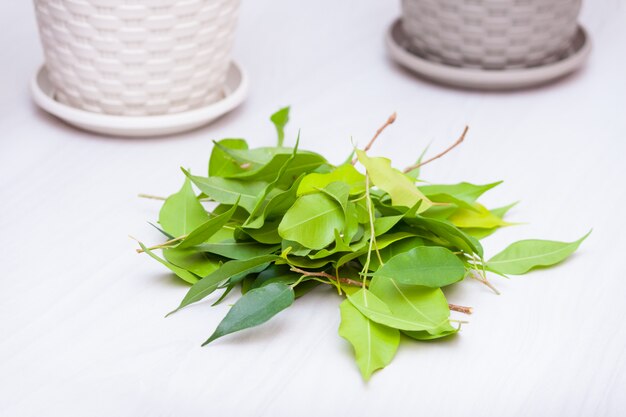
[490, 34]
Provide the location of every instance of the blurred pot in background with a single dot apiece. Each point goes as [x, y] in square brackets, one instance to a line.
[490, 34]
[137, 58]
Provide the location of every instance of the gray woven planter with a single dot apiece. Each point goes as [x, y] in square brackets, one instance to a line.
[490, 34]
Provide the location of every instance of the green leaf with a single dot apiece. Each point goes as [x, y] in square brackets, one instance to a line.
[207, 229]
[237, 250]
[383, 224]
[428, 266]
[182, 212]
[267, 233]
[462, 191]
[382, 242]
[276, 206]
[280, 120]
[275, 273]
[229, 191]
[520, 257]
[345, 173]
[232, 271]
[481, 233]
[374, 345]
[221, 164]
[401, 188]
[378, 311]
[255, 307]
[415, 172]
[479, 217]
[299, 163]
[199, 263]
[340, 246]
[449, 233]
[312, 221]
[444, 331]
[427, 306]
[396, 248]
[180, 272]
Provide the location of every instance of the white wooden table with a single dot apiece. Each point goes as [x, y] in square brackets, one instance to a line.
[82, 331]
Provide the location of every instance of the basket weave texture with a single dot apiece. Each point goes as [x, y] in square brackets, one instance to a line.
[490, 34]
[139, 57]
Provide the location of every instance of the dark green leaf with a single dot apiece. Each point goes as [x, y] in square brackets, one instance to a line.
[233, 271]
[254, 308]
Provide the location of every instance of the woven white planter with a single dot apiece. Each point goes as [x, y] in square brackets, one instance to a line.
[490, 34]
[137, 58]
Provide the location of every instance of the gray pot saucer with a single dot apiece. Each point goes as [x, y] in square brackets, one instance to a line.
[475, 78]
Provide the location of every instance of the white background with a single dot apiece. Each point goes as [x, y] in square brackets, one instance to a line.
[82, 331]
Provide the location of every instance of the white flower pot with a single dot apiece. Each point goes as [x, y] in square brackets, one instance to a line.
[490, 34]
[137, 58]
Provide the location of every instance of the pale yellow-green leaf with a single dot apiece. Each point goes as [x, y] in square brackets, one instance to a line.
[401, 188]
[374, 345]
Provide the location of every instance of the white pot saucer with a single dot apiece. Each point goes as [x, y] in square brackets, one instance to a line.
[235, 91]
[474, 78]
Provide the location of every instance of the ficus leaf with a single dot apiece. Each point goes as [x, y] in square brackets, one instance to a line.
[198, 263]
[180, 272]
[280, 120]
[479, 217]
[413, 303]
[312, 221]
[221, 164]
[449, 233]
[520, 257]
[428, 266]
[378, 311]
[255, 307]
[233, 249]
[233, 271]
[462, 191]
[402, 190]
[344, 173]
[229, 191]
[374, 344]
[182, 212]
[207, 229]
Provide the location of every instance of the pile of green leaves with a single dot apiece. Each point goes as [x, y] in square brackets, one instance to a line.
[285, 220]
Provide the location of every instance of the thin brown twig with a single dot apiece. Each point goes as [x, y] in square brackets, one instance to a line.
[454, 145]
[389, 121]
[454, 307]
[461, 309]
[326, 275]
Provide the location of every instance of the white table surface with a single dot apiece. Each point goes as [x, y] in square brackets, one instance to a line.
[82, 331]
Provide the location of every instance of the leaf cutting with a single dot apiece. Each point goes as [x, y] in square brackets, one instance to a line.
[279, 222]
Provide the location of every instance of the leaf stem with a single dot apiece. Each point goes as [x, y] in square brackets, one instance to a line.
[474, 273]
[389, 121]
[164, 244]
[372, 238]
[328, 276]
[454, 145]
[151, 197]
